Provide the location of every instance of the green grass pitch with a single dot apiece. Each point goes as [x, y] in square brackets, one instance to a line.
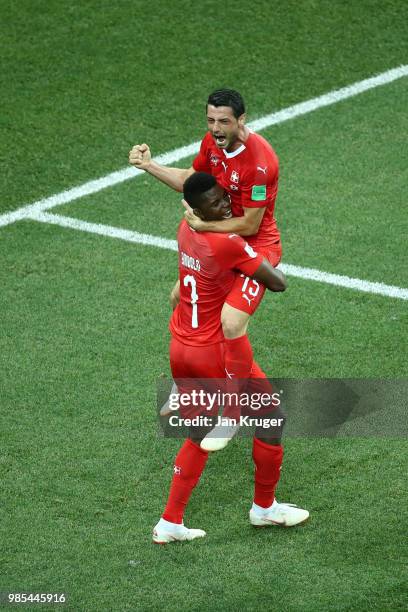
[83, 324]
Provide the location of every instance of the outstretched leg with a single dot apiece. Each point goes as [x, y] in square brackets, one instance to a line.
[188, 467]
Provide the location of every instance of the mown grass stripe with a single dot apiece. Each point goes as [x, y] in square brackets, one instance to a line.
[164, 243]
[176, 155]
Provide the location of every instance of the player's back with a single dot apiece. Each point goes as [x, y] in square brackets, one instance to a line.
[204, 285]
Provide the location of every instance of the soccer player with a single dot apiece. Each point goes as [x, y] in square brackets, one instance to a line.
[208, 265]
[246, 166]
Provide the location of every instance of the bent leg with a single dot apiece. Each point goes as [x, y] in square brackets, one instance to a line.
[234, 322]
[242, 301]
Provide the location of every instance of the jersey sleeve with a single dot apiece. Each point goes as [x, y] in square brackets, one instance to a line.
[201, 162]
[234, 253]
[258, 189]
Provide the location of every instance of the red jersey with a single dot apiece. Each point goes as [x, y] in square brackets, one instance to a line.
[250, 176]
[207, 269]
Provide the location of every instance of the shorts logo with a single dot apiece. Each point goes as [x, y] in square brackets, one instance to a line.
[177, 470]
[234, 177]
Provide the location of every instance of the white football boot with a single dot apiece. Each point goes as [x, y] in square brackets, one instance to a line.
[220, 435]
[166, 532]
[283, 515]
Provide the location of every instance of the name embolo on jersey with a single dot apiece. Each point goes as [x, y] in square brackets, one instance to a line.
[250, 176]
[208, 264]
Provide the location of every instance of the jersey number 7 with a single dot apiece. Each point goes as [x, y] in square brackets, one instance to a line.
[190, 280]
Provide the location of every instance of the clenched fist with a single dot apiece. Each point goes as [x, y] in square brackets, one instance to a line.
[140, 156]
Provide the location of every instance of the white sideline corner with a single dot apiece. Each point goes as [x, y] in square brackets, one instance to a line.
[177, 154]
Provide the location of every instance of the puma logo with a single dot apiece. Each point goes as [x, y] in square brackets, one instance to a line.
[262, 169]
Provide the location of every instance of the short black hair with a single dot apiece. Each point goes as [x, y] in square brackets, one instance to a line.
[197, 184]
[228, 97]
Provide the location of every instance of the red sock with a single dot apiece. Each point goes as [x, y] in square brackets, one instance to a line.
[238, 364]
[188, 467]
[268, 460]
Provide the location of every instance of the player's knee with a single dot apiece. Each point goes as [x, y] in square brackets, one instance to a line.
[233, 327]
[234, 322]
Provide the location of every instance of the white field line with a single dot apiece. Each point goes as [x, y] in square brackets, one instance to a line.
[177, 154]
[106, 230]
[165, 243]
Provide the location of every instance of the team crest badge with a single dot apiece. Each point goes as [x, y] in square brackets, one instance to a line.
[214, 159]
[234, 177]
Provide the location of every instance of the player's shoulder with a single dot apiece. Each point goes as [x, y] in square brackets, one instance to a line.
[210, 240]
[258, 145]
[185, 234]
[262, 159]
[207, 140]
[224, 242]
[227, 249]
[182, 228]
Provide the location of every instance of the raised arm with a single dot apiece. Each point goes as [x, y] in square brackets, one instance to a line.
[140, 157]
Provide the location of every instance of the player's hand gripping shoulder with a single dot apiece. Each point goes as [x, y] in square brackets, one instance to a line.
[195, 222]
[140, 156]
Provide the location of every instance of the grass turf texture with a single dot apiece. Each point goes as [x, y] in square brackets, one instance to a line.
[84, 318]
[82, 81]
[342, 185]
